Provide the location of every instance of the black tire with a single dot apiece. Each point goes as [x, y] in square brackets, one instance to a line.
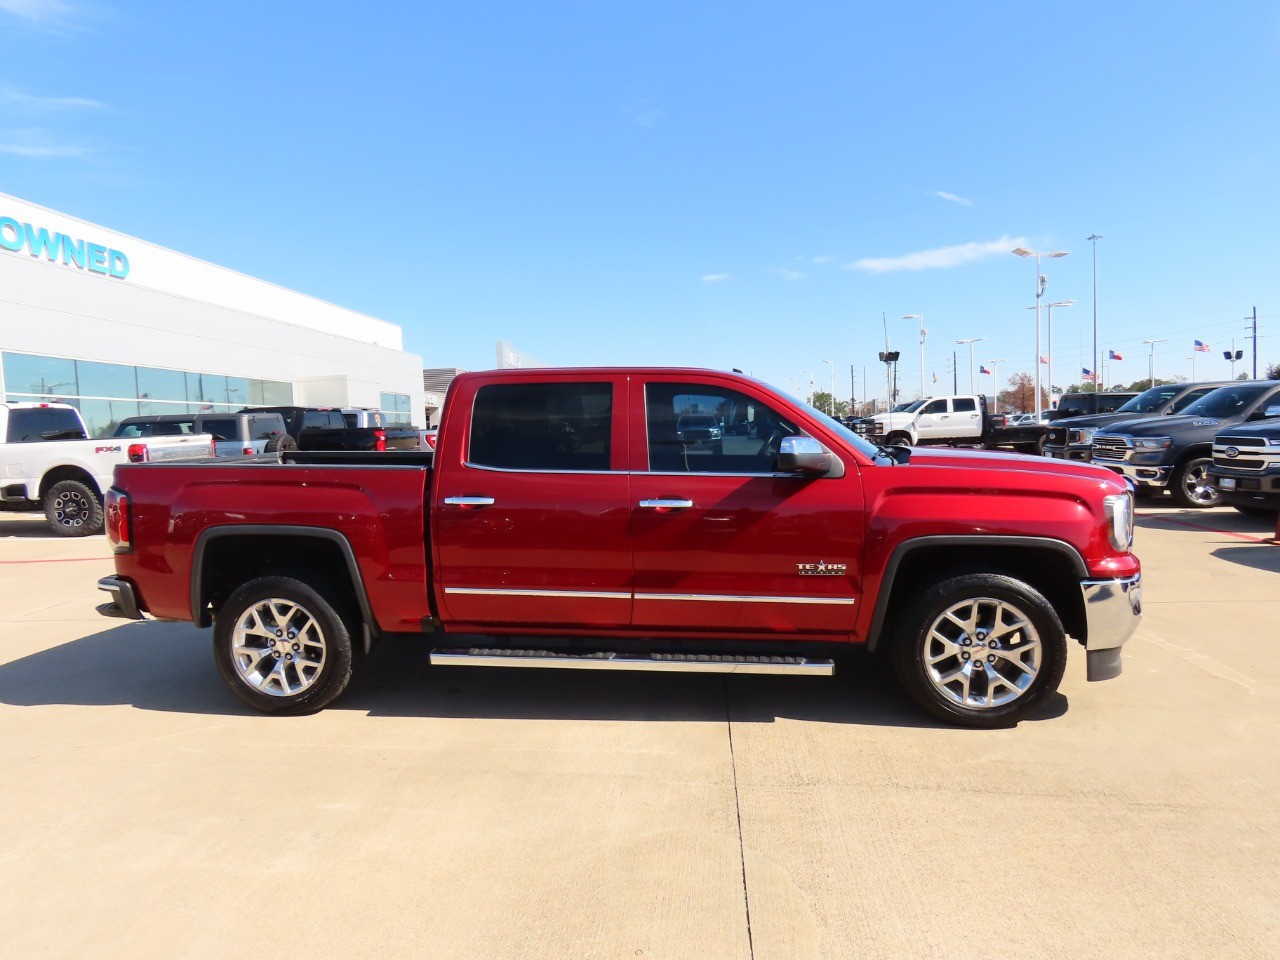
[73, 509]
[273, 681]
[280, 444]
[1004, 682]
[898, 439]
[1190, 485]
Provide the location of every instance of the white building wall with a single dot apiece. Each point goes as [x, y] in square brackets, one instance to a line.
[190, 315]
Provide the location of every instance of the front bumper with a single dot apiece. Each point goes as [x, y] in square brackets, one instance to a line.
[1142, 476]
[123, 605]
[1082, 454]
[1113, 610]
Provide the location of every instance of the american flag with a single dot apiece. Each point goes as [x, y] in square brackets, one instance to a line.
[1114, 355]
[982, 369]
[1043, 358]
[1086, 375]
[1201, 347]
[935, 378]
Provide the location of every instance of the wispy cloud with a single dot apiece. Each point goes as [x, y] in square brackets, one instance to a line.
[790, 274]
[941, 258]
[716, 277]
[644, 112]
[37, 11]
[953, 198]
[36, 143]
[34, 103]
[823, 259]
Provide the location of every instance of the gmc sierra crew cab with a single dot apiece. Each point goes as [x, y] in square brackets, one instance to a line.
[572, 519]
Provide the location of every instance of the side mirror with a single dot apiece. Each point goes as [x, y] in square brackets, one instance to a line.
[804, 455]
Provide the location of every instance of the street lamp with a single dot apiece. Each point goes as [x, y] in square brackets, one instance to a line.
[832, 403]
[923, 334]
[1151, 362]
[1048, 354]
[1041, 280]
[971, 343]
[995, 376]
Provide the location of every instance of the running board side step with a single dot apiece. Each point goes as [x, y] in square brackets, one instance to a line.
[655, 662]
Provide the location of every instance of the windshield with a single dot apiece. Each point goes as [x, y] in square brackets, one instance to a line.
[1227, 401]
[1150, 401]
[863, 446]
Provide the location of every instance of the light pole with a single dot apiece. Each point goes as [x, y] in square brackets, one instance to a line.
[1049, 349]
[808, 379]
[1094, 238]
[995, 376]
[1041, 280]
[971, 343]
[923, 333]
[1151, 361]
[832, 403]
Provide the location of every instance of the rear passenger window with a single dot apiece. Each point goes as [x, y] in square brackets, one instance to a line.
[542, 426]
[221, 429]
[965, 405]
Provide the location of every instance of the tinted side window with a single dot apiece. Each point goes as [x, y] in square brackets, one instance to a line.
[965, 405]
[34, 424]
[351, 419]
[696, 428]
[935, 406]
[542, 426]
[220, 428]
[1108, 404]
[1190, 398]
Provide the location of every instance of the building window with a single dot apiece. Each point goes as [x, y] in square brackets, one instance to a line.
[396, 407]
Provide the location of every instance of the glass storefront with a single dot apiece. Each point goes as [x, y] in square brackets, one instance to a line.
[106, 393]
[396, 407]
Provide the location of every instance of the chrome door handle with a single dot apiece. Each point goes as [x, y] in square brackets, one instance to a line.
[469, 501]
[666, 503]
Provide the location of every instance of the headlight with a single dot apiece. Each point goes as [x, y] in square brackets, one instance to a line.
[1151, 443]
[1083, 435]
[1274, 442]
[1119, 511]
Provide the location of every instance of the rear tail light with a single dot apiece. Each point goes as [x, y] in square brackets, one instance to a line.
[116, 514]
[138, 453]
[381, 437]
[213, 447]
[247, 451]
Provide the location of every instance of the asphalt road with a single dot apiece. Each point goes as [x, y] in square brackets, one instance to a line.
[526, 814]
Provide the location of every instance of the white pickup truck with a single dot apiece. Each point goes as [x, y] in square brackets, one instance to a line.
[47, 457]
[958, 420]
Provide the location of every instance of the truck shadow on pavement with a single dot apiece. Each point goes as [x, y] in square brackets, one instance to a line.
[169, 667]
[1259, 556]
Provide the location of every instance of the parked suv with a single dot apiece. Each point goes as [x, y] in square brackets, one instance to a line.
[1086, 404]
[1246, 465]
[240, 434]
[1071, 438]
[1175, 452]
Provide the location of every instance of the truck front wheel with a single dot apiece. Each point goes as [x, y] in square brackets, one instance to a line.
[1193, 487]
[73, 509]
[898, 439]
[980, 650]
[281, 647]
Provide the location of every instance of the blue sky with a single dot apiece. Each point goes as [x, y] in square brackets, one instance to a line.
[714, 184]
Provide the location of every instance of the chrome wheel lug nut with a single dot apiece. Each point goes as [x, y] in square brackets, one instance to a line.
[991, 659]
[965, 642]
[296, 647]
[964, 656]
[288, 656]
[276, 654]
[279, 633]
[271, 643]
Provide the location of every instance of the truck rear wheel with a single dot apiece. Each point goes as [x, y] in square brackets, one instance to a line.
[980, 650]
[281, 647]
[73, 509]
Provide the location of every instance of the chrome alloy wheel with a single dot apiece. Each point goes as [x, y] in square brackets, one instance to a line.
[1199, 488]
[982, 653]
[71, 509]
[278, 648]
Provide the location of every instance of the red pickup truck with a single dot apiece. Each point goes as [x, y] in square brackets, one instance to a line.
[567, 521]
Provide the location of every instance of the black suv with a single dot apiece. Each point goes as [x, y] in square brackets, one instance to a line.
[1086, 404]
[1175, 452]
[1071, 438]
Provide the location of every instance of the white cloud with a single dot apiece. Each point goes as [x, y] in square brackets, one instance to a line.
[36, 143]
[942, 258]
[37, 11]
[33, 102]
[953, 198]
[716, 277]
[823, 259]
[790, 274]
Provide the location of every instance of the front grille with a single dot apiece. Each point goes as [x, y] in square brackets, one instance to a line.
[1238, 464]
[1109, 448]
[1243, 442]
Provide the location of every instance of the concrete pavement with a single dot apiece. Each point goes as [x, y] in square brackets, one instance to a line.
[512, 814]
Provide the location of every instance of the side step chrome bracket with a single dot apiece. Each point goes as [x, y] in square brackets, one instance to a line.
[654, 662]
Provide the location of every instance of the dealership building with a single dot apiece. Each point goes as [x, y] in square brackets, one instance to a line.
[120, 327]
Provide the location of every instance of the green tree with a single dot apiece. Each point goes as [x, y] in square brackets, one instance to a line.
[822, 401]
[1273, 372]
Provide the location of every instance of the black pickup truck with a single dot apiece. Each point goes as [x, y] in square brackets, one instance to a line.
[1246, 465]
[1176, 452]
[320, 428]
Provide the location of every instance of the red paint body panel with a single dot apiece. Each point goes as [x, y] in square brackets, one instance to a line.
[574, 554]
